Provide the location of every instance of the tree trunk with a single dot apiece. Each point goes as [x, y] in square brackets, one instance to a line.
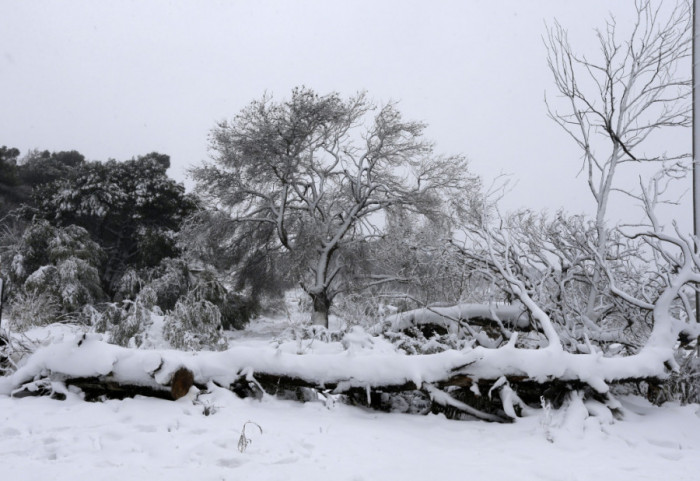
[322, 306]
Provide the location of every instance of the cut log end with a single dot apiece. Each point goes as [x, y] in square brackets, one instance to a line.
[182, 381]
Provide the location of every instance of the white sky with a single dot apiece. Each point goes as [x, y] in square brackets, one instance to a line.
[120, 79]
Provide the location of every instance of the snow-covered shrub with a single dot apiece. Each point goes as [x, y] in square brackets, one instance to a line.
[73, 241]
[682, 386]
[173, 279]
[131, 331]
[44, 244]
[170, 281]
[4, 352]
[131, 208]
[31, 252]
[686, 384]
[236, 310]
[414, 341]
[79, 284]
[128, 286]
[106, 318]
[126, 322]
[73, 282]
[32, 308]
[60, 263]
[43, 280]
[15, 347]
[194, 324]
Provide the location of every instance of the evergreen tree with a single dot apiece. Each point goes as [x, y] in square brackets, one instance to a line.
[132, 209]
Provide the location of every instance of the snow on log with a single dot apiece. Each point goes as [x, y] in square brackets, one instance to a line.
[329, 366]
[512, 314]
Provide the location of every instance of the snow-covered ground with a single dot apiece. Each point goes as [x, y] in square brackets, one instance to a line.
[154, 439]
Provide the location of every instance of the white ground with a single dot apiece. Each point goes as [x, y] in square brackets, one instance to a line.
[151, 439]
[162, 440]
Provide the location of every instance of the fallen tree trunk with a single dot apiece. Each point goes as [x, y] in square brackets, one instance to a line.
[482, 383]
[513, 315]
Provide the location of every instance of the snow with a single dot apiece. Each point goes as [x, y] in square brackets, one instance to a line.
[197, 437]
[444, 316]
[154, 439]
[357, 360]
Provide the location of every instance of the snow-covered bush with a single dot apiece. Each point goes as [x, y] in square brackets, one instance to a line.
[131, 330]
[32, 308]
[170, 281]
[58, 263]
[79, 284]
[129, 285]
[44, 244]
[684, 384]
[30, 252]
[236, 310]
[194, 324]
[127, 322]
[43, 280]
[173, 280]
[73, 241]
[103, 320]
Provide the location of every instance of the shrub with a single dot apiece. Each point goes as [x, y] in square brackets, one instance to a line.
[359, 310]
[43, 244]
[236, 310]
[107, 318]
[30, 309]
[683, 385]
[128, 286]
[57, 263]
[127, 322]
[194, 324]
[73, 283]
[130, 332]
[173, 280]
[170, 281]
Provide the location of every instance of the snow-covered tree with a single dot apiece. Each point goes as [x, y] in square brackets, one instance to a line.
[9, 195]
[19, 177]
[132, 209]
[612, 103]
[314, 174]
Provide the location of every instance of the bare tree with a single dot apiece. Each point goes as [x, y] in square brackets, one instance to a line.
[611, 105]
[319, 171]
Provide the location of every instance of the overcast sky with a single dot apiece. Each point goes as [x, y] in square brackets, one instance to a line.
[120, 79]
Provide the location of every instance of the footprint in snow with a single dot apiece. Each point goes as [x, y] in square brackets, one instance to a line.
[231, 462]
[665, 444]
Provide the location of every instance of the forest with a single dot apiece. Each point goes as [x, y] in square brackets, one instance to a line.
[414, 291]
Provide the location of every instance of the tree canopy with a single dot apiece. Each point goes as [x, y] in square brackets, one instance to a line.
[131, 208]
[317, 172]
